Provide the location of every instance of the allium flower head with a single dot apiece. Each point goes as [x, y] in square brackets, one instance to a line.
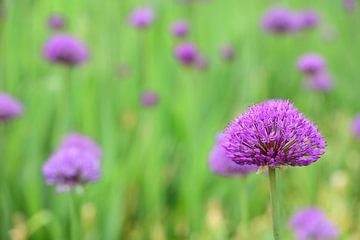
[56, 21]
[75, 163]
[201, 62]
[356, 126]
[180, 29]
[220, 164]
[9, 107]
[149, 98]
[312, 224]
[311, 64]
[349, 4]
[186, 53]
[274, 134]
[227, 53]
[279, 20]
[307, 19]
[142, 17]
[320, 82]
[66, 50]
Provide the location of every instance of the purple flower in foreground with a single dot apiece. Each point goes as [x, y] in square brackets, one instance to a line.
[149, 98]
[9, 107]
[180, 29]
[75, 163]
[312, 224]
[356, 126]
[311, 63]
[274, 134]
[220, 164]
[56, 22]
[349, 4]
[306, 19]
[279, 20]
[227, 53]
[142, 17]
[186, 53]
[66, 50]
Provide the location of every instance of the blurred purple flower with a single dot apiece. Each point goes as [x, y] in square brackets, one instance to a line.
[311, 63]
[306, 19]
[10, 108]
[274, 134]
[279, 20]
[66, 50]
[180, 29]
[201, 62]
[220, 164]
[56, 21]
[349, 5]
[356, 126]
[320, 82]
[186, 53]
[312, 224]
[75, 163]
[149, 98]
[142, 17]
[227, 53]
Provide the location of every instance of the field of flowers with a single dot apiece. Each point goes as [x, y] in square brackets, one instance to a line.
[136, 119]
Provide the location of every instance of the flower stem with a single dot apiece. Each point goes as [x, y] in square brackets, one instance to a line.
[244, 214]
[74, 218]
[274, 196]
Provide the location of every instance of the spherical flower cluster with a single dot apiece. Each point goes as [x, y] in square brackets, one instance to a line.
[56, 21]
[220, 164]
[281, 20]
[186, 53]
[180, 29]
[312, 224]
[66, 50]
[75, 163]
[349, 5]
[315, 72]
[227, 53]
[274, 134]
[149, 98]
[356, 126]
[10, 108]
[142, 17]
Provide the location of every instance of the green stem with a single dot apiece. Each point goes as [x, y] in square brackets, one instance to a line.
[74, 218]
[274, 196]
[244, 214]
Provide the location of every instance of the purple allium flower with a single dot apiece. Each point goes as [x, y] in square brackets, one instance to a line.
[186, 53]
[56, 21]
[9, 107]
[306, 19]
[349, 5]
[66, 50]
[311, 63]
[149, 98]
[274, 134]
[312, 224]
[279, 20]
[227, 53]
[75, 163]
[220, 164]
[321, 82]
[180, 29]
[142, 17]
[201, 62]
[356, 126]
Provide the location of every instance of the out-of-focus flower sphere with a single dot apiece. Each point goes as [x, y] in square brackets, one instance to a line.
[180, 29]
[142, 17]
[356, 126]
[279, 20]
[186, 53]
[227, 53]
[56, 21]
[320, 82]
[220, 164]
[311, 63]
[307, 19]
[75, 163]
[201, 62]
[349, 4]
[66, 50]
[274, 134]
[312, 224]
[10, 108]
[149, 98]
